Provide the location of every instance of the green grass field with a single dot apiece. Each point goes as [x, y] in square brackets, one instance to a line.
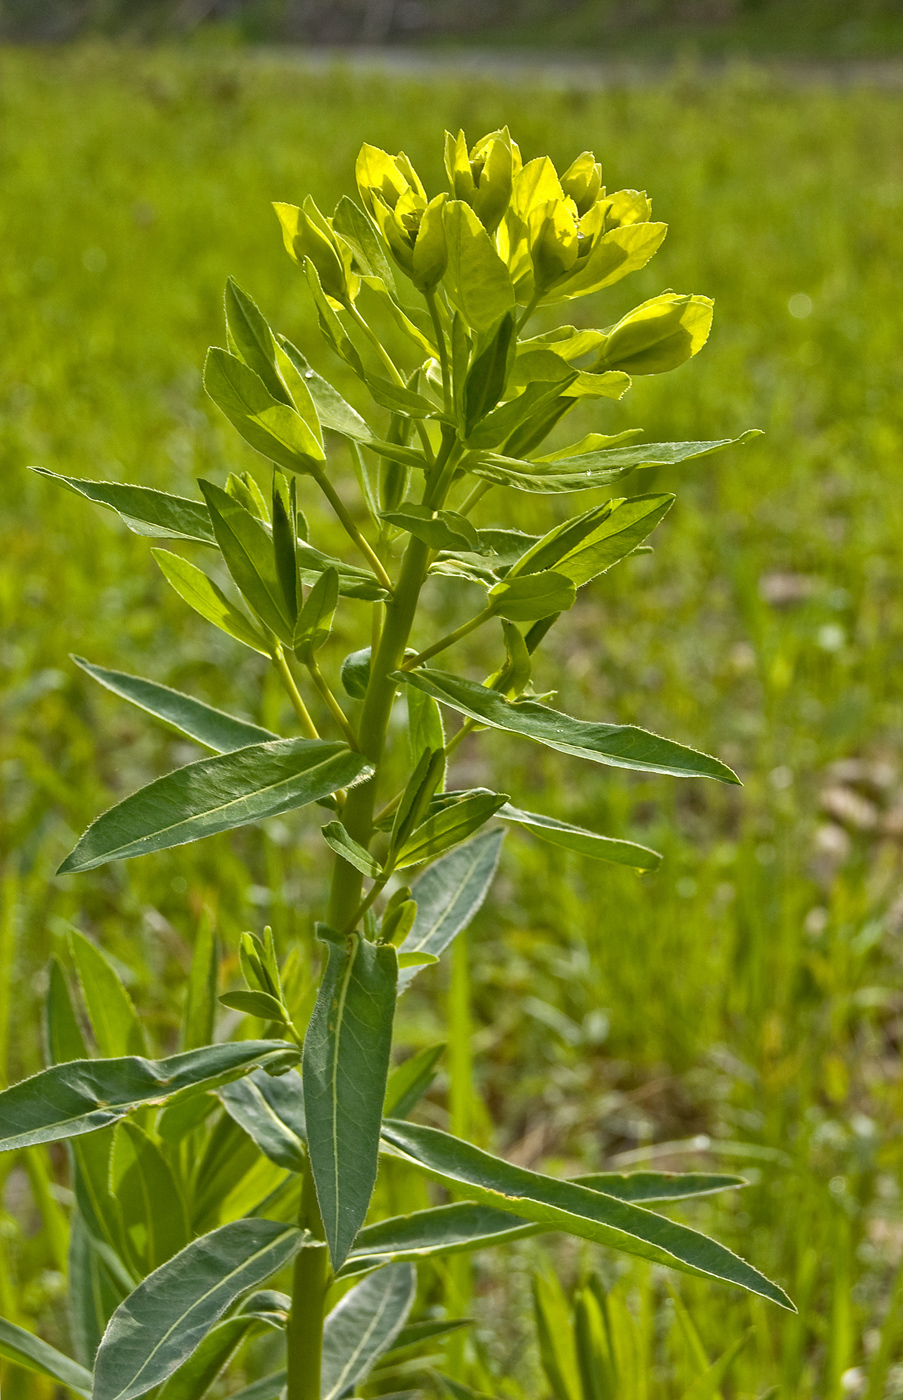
[744, 1007]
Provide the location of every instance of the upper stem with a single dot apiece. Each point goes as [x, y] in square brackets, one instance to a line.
[351, 529]
[288, 681]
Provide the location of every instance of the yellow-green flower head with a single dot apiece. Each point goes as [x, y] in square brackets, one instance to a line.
[657, 336]
[308, 234]
[385, 178]
[483, 177]
[411, 225]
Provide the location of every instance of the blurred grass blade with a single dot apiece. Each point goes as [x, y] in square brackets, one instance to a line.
[618, 745]
[217, 794]
[409, 1081]
[556, 1339]
[83, 1095]
[208, 726]
[63, 1032]
[200, 997]
[167, 1317]
[146, 512]
[271, 1111]
[363, 1325]
[575, 1209]
[345, 1069]
[27, 1350]
[586, 843]
[448, 896]
[114, 1020]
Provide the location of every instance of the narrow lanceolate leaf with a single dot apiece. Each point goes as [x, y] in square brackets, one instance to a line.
[336, 837]
[82, 1095]
[271, 1111]
[448, 827]
[575, 1209]
[217, 794]
[195, 1376]
[617, 745]
[247, 548]
[591, 469]
[145, 511]
[27, 1350]
[448, 895]
[363, 1326]
[588, 545]
[208, 726]
[208, 599]
[269, 426]
[465, 1225]
[345, 1069]
[169, 1314]
[587, 843]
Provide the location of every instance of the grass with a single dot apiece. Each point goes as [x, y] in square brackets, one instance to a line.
[743, 1004]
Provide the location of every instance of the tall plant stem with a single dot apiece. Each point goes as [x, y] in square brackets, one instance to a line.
[400, 610]
[310, 1284]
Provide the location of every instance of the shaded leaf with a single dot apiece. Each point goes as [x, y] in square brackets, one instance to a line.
[271, 1111]
[144, 510]
[152, 1208]
[167, 1317]
[448, 827]
[587, 843]
[83, 1095]
[29, 1351]
[337, 838]
[576, 1209]
[363, 1325]
[217, 794]
[208, 726]
[448, 895]
[618, 745]
[247, 547]
[345, 1068]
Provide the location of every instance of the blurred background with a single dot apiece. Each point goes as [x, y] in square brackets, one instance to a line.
[740, 1009]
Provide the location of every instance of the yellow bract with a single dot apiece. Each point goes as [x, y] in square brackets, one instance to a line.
[658, 335]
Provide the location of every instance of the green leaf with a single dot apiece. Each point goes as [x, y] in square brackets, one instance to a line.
[409, 1081]
[531, 407]
[93, 1294]
[254, 1004]
[314, 621]
[359, 230]
[476, 279]
[117, 1029]
[587, 843]
[268, 1388]
[271, 1111]
[90, 1159]
[425, 730]
[398, 399]
[448, 896]
[355, 673]
[200, 996]
[27, 1350]
[208, 599]
[618, 745]
[247, 548]
[353, 582]
[335, 836]
[64, 1035]
[363, 1325]
[448, 827]
[486, 378]
[272, 428]
[440, 1230]
[416, 1333]
[153, 1211]
[195, 1376]
[658, 1186]
[591, 543]
[416, 798]
[345, 1068]
[253, 339]
[208, 726]
[576, 1209]
[417, 960]
[285, 533]
[169, 1314]
[146, 512]
[590, 469]
[556, 1338]
[443, 529]
[217, 794]
[83, 1095]
[527, 598]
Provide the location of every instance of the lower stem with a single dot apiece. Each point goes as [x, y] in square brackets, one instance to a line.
[310, 1284]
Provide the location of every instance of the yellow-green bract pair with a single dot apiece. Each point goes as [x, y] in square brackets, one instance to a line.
[505, 233]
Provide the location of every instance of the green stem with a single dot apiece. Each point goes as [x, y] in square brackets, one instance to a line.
[466, 627]
[294, 694]
[370, 898]
[443, 349]
[332, 704]
[467, 727]
[310, 1284]
[528, 312]
[395, 374]
[400, 610]
[351, 529]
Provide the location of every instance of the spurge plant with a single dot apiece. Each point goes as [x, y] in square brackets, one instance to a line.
[201, 1175]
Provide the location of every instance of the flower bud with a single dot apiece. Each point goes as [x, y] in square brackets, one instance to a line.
[554, 242]
[430, 247]
[582, 182]
[658, 335]
[380, 175]
[307, 234]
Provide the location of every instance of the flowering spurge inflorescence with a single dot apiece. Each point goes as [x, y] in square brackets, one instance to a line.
[199, 1176]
